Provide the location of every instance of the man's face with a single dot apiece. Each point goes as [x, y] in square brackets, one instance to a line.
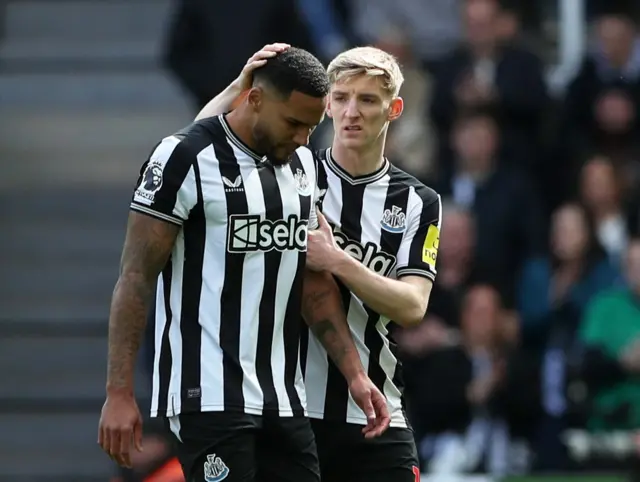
[475, 143]
[361, 109]
[283, 125]
[632, 266]
[480, 17]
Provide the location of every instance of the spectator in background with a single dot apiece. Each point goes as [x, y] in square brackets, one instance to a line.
[488, 71]
[453, 391]
[601, 194]
[554, 290]
[602, 102]
[415, 31]
[611, 324]
[505, 206]
[552, 295]
[200, 52]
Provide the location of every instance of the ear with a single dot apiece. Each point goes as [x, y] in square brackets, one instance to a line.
[328, 108]
[255, 97]
[396, 108]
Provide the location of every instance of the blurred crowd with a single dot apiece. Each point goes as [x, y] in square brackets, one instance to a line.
[534, 322]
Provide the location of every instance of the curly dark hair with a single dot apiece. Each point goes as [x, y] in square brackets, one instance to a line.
[294, 69]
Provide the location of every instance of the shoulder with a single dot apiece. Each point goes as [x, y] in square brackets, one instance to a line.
[427, 195]
[307, 157]
[605, 269]
[536, 268]
[609, 299]
[190, 140]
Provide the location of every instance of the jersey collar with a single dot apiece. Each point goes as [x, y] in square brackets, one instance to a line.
[363, 179]
[238, 142]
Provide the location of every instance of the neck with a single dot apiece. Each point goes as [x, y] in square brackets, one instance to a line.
[359, 162]
[483, 51]
[478, 174]
[453, 273]
[572, 265]
[241, 128]
[601, 212]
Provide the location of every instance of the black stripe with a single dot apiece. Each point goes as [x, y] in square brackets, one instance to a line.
[195, 234]
[337, 394]
[430, 215]
[373, 340]
[166, 358]
[323, 181]
[273, 212]
[173, 175]
[231, 299]
[292, 324]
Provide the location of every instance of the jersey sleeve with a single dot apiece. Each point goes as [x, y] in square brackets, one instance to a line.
[419, 248]
[166, 188]
[318, 193]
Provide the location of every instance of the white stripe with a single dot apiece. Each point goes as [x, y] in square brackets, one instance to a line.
[175, 335]
[414, 208]
[160, 322]
[284, 282]
[211, 375]
[252, 285]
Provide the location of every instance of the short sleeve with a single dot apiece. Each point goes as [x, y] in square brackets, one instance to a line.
[318, 193]
[166, 188]
[419, 248]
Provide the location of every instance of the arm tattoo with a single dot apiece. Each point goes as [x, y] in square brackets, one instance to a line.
[323, 313]
[147, 248]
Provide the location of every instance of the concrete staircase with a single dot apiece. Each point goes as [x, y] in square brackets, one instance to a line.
[60, 263]
[85, 54]
[83, 99]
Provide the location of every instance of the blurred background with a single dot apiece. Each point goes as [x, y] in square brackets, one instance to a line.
[523, 115]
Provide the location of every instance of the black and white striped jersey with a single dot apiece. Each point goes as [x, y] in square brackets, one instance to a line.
[390, 222]
[229, 299]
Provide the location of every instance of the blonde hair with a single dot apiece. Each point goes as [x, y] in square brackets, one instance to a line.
[367, 61]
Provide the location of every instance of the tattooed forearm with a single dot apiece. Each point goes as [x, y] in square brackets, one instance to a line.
[323, 313]
[146, 251]
[126, 327]
[325, 331]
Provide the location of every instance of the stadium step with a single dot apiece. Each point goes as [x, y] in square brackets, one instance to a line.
[58, 369]
[61, 258]
[131, 90]
[42, 446]
[39, 31]
[75, 54]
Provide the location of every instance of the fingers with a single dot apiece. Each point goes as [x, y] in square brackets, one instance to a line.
[322, 221]
[267, 52]
[117, 443]
[123, 457]
[276, 47]
[137, 436]
[381, 420]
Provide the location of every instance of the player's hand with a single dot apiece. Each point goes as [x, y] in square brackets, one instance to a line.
[373, 403]
[120, 428]
[322, 250]
[245, 79]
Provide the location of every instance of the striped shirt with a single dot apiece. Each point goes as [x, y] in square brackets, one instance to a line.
[390, 222]
[229, 299]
